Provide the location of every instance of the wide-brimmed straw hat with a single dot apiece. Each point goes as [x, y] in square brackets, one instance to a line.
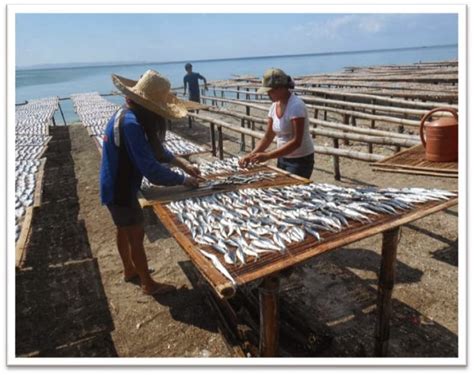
[274, 78]
[152, 91]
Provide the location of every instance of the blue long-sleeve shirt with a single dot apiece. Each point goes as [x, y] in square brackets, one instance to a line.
[138, 161]
[192, 80]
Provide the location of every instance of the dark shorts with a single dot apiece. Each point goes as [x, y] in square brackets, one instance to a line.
[302, 166]
[125, 216]
[195, 98]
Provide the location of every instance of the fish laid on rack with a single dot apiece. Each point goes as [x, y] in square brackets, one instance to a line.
[238, 179]
[25, 184]
[241, 179]
[35, 117]
[32, 121]
[228, 165]
[94, 111]
[242, 225]
[181, 146]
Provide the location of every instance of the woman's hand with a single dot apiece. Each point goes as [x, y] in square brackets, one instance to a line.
[259, 157]
[192, 170]
[245, 161]
[191, 182]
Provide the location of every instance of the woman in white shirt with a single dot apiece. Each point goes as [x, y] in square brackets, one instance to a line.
[288, 122]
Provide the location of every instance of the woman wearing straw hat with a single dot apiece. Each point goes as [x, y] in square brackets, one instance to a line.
[127, 156]
[288, 122]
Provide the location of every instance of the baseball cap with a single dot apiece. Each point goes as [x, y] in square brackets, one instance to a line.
[273, 78]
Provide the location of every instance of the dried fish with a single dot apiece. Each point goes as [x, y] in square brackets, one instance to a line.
[218, 265]
[243, 224]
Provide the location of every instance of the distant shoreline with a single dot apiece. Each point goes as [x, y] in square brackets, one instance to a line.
[99, 65]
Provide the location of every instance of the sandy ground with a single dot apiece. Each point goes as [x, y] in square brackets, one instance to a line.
[145, 326]
[337, 289]
[72, 300]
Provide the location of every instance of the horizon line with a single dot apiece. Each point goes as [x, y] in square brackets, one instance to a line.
[111, 64]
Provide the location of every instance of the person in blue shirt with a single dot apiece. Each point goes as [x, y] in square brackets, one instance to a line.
[191, 79]
[127, 157]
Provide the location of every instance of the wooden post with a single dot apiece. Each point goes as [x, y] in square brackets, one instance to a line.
[220, 141]
[401, 129]
[253, 138]
[242, 124]
[242, 136]
[269, 317]
[190, 122]
[238, 92]
[62, 114]
[335, 158]
[316, 117]
[345, 120]
[372, 126]
[384, 291]
[247, 96]
[325, 117]
[212, 129]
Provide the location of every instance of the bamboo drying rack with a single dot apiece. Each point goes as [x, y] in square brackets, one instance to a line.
[20, 247]
[269, 265]
[412, 161]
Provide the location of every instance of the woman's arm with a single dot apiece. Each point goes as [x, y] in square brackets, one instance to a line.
[262, 145]
[267, 139]
[290, 146]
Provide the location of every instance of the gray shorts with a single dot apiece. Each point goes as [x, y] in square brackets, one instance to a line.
[125, 216]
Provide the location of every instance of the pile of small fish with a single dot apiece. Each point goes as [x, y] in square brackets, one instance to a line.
[94, 111]
[228, 165]
[247, 223]
[180, 146]
[241, 179]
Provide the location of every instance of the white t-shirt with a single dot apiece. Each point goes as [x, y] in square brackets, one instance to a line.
[283, 128]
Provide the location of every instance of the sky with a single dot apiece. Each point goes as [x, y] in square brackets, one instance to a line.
[98, 38]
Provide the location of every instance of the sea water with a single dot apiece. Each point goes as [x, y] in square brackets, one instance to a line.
[62, 82]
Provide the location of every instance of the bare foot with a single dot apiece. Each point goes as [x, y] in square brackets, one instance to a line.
[157, 288]
[128, 277]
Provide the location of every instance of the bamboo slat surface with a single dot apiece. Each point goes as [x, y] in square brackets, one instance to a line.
[192, 106]
[271, 263]
[413, 160]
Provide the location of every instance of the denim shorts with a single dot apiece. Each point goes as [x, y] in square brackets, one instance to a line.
[125, 216]
[302, 166]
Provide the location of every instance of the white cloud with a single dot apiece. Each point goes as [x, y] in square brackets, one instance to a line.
[371, 24]
[340, 26]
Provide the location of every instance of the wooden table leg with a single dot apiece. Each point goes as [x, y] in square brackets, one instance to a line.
[384, 291]
[269, 317]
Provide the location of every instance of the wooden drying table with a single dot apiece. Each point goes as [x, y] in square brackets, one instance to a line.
[270, 264]
[412, 161]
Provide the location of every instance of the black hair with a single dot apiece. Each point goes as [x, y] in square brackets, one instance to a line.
[154, 126]
[291, 83]
[187, 66]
